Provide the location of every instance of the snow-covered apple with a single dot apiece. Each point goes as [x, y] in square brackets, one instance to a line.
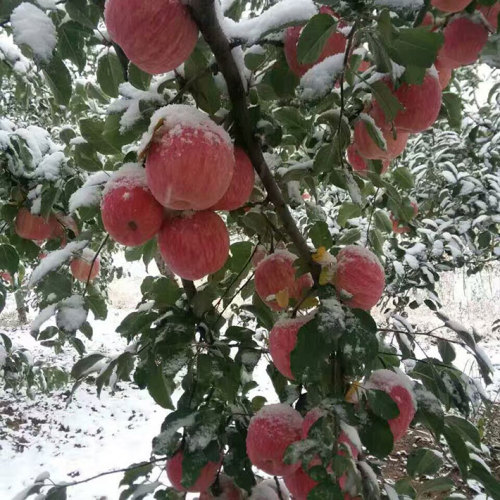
[275, 280]
[400, 388]
[464, 38]
[207, 474]
[224, 488]
[157, 36]
[282, 341]
[367, 147]
[240, 189]
[359, 164]
[194, 245]
[359, 277]
[33, 227]
[450, 6]
[335, 44]
[130, 213]
[272, 429]
[190, 159]
[421, 104]
[86, 267]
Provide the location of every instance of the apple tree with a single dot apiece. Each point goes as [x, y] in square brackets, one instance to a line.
[288, 165]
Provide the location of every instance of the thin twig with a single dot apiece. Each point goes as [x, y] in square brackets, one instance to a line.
[101, 246]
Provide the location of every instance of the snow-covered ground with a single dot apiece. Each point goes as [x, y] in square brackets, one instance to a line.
[91, 435]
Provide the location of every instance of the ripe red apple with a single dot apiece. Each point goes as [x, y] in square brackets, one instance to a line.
[259, 255]
[421, 103]
[85, 268]
[358, 163]
[359, 277]
[399, 388]
[190, 161]
[334, 45]
[130, 213]
[367, 147]
[227, 490]
[428, 20]
[444, 74]
[240, 189]
[464, 38]
[275, 274]
[282, 341]
[194, 244]
[450, 5]
[157, 35]
[272, 429]
[33, 227]
[400, 229]
[207, 474]
[5, 276]
[491, 12]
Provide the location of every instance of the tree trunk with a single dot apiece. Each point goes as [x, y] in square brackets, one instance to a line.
[22, 308]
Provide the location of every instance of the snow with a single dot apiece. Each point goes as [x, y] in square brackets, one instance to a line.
[386, 380]
[352, 434]
[174, 118]
[129, 175]
[12, 54]
[281, 14]
[319, 80]
[50, 166]
[43, 316]
[31, 26]
[89, 195]
[71, 313]
[400, 4]
[56, 259]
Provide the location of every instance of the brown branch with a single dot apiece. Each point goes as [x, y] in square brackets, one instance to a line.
[189, 288]
[203, 12]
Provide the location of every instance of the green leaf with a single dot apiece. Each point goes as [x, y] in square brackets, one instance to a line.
[83, 365]
[320, 235]
[382, 221]
[468, 430]
[349, 237]
[9, 258]
[446, 351]
[348, 211]
[293, 121]
[158, 387]
[71, 43]
[458, 448]
[403, 178]
[326, 491]
[92, 131]
[82, 12]
[58, 79]
[135, 471]
[376, 435]
[481, 474]
[138, 78]
[96, 303]
[110, 73]
[374, 132]
[423, 461]
[165, 292]
[382, 404]
[386, 100]
[313, 38]
[453, 106]
[416, 47]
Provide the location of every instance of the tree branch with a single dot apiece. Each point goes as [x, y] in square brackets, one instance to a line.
[189, 288]
[203, 12]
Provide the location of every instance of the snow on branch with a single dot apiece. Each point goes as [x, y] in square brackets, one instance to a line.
[280, 15]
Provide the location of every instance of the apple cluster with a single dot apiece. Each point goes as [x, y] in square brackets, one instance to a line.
[191, 170]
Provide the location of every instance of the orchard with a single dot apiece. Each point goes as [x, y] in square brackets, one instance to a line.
[294, 176]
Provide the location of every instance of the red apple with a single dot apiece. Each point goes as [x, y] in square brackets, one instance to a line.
[421, 104]
[85, 267]
[276, 274]
[205, 479]
[130, 213]
[399, 388]
[400, 229]
[282, 341]
[359, 277]
[194, 244]
[464, 38]
[259, 255]
[225, 487]
[240, 189]
[272, 429]
[157, 35]
[367, 147]
[491, 12]
[358, 163]
[334, 45]
[444, 74]
[428, 20]
[33, 227]
[190, 161]
[5, 276]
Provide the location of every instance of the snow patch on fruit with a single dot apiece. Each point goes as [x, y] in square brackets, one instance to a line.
[386, 380]
[175, 117]
[129, 175]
